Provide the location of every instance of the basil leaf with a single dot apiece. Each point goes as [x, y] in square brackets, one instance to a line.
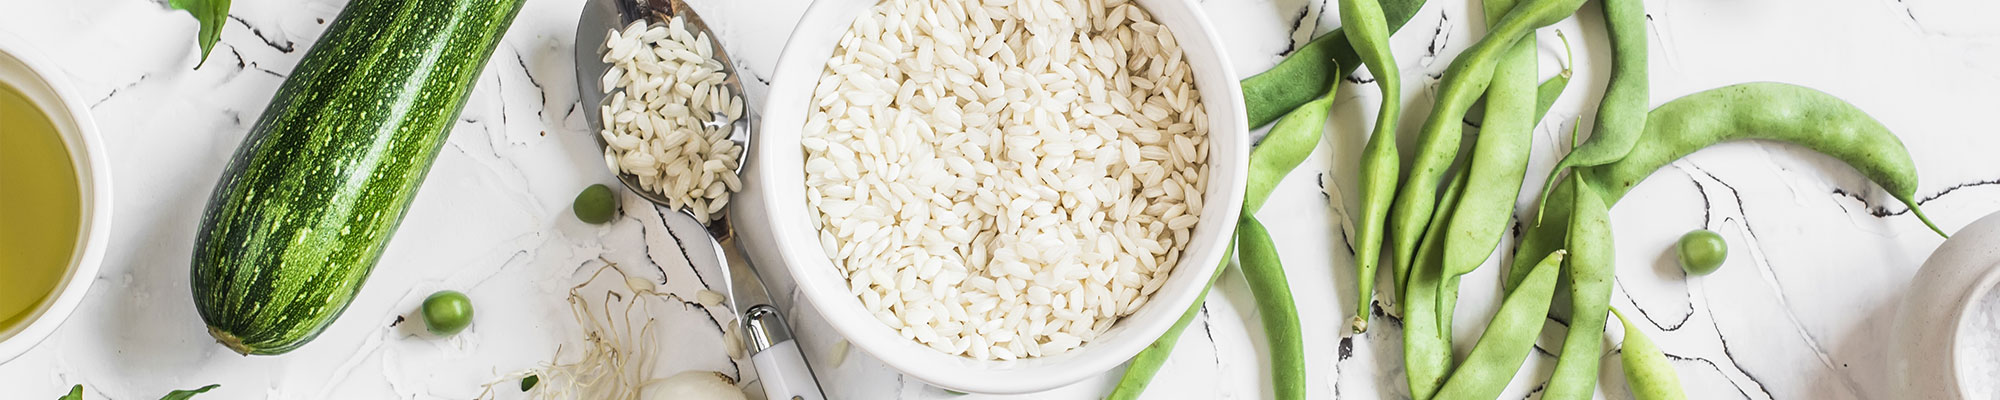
[75, 393]
[211, 14]
[185, 394]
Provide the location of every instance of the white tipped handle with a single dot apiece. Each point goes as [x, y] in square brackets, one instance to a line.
[785, 374]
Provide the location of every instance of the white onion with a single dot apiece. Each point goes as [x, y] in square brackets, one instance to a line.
[695, 385]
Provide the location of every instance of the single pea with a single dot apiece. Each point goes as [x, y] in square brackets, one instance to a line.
[595, 205]
[447, 312]
[1701, 251]
[529, 382]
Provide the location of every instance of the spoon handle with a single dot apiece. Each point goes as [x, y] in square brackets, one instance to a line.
[780, 364]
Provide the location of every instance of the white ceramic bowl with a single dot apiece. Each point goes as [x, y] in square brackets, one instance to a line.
[1932, 345]
[774, 224]
[33, 75]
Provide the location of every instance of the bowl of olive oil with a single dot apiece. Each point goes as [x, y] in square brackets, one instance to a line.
[55, 198]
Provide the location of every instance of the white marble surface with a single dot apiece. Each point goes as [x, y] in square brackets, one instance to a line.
[1799, 311]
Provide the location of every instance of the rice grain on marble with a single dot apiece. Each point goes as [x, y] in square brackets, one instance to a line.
[1003, 180]
[668, 120]
[709, 298]
[732, 340]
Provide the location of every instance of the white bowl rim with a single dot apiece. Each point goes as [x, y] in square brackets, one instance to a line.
[1223, 203]
[94, 185]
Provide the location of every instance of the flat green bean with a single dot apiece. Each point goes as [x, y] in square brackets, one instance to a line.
[1430, 252]
[1287, 144]
[1591, 263]
[1541, 237]
[1266, 277]
[1325, 60]
[1499, 156]
[1448, 294]
[1426, 331]
[1769, 111]
[1547, 93]
[1759, 110]
[1508, 337]
[1499, 162]
[1621, 116]
[1647, 371]
[1466, 78]
[1429, 247]
[1369, 33]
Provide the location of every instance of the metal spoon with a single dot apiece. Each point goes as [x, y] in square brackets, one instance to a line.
[602, 16]
[780, 365]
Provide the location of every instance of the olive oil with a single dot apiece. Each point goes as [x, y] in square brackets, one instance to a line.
[40, 209]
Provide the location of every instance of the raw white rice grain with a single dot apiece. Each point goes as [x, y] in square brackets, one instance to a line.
[709, 298]
[654, 122]
[1009, 183]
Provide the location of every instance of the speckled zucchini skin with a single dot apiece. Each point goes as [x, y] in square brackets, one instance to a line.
[314, 192]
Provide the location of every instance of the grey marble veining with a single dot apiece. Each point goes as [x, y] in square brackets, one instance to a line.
[1819, 256]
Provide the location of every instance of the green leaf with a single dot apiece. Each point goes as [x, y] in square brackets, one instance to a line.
[211, 14]
[75, 393]
[185, 394]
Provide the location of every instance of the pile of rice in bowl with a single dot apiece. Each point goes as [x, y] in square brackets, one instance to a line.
[1005, 179]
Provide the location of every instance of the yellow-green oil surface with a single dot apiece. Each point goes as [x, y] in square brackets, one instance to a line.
[39, 209]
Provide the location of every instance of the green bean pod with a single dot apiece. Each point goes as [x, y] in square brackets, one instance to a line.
[1430, 252]
[1549, 90]
[1266, 277]
[1499, 156]
[1748, 111]
[1621, 116]
[1448, 294]
[1591, 263]
[1646, 369]
[1770, 111]
[1508, 337]
[1466, 78]
[1431, 246]
[1284, 148]
[1447, 307]
[1325, 60]
[1466, 247]
[1541, 237]
[1426, 331]
[1546, 95]
[1379, 168]
[1368, 32]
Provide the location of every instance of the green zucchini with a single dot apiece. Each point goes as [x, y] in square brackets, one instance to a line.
[312, 195]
